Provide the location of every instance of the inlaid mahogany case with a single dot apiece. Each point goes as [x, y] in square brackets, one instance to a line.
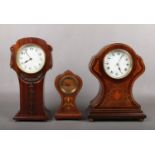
[114, 100]
[68, 85]
[116, 104]
[31, 85]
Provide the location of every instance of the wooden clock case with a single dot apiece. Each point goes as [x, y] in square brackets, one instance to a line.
[114, 100]
[31, 85]
[68, 109]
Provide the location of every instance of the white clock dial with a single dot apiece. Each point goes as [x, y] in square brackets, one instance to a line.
[118, 64]
[30, 58]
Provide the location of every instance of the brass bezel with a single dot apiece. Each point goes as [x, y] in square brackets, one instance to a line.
[64, 90]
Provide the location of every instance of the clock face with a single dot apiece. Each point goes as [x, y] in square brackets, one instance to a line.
[30, 58]
[118, 64]
[68, 84]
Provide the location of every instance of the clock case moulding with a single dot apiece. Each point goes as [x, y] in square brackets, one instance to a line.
[68, 109]
[31, 85]
[114, 100]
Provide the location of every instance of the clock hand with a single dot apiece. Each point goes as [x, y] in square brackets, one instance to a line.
[28, 55]
[119, 68]
[121, 58]
[28, 60]
[118, 63]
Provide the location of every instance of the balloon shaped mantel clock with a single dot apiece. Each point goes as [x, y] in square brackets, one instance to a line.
[116, 67]
[68, 85]
[31, 58]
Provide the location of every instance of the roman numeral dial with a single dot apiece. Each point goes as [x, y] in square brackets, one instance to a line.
[118, 64]
[30, 58]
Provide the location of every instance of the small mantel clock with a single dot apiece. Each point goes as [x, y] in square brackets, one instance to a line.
[31, 58]
[116, 66]
[68, 85]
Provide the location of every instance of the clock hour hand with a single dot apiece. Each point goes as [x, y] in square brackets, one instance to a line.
[28, 60]
[119, 68]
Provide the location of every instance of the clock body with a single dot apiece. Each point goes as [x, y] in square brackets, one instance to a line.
[31, 58]
[116, 66]
[68, 85]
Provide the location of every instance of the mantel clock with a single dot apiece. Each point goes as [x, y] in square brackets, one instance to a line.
[31, 58]
[116, 66]
[68, 85]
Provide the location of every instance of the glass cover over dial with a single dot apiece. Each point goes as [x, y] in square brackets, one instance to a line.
[30, 58]
[118, 64]
[68, 84]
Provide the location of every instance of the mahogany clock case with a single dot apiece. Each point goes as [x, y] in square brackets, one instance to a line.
[31, 85]
[114, 100]
[68, 85]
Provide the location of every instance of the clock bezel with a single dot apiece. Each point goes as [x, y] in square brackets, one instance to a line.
[63, 89]
[131, 62]
[20, 50]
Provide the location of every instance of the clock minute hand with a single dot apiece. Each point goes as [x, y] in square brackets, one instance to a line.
[121, 58]
[28, 55]
[118, 63]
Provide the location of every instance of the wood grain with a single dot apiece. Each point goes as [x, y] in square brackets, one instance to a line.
[31, 85]
[114, 100]
[68, 109]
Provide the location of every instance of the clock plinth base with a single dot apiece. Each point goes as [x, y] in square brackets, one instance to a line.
[68, 116]
[29, 117]
[116, 115]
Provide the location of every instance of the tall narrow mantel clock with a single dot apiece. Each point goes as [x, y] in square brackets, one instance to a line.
[31, 58]
[116, 67]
